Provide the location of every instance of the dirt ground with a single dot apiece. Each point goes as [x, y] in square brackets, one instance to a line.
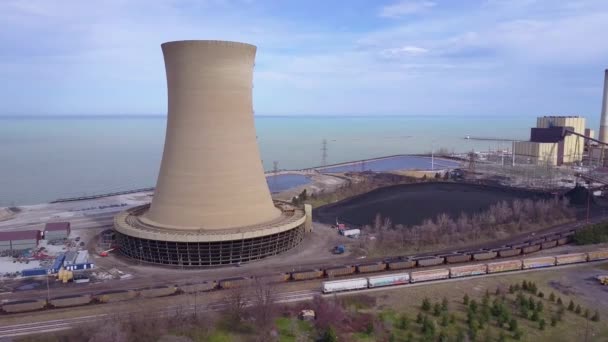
[410, 204]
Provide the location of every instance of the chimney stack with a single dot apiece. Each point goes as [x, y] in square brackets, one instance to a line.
[604, 117]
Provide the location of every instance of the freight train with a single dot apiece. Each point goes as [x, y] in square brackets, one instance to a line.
[461, 271]
[387, 265]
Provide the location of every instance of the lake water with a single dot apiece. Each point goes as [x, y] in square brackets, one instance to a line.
[45, 158]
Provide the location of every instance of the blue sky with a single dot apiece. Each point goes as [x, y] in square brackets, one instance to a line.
[357, 57]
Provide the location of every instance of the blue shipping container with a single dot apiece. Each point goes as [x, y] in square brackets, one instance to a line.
[34, 272]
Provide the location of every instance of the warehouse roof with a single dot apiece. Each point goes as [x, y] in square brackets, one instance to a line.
[54, 226]
[20, 235]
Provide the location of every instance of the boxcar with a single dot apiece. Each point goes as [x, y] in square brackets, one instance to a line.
[599, 254]
[429, 261]
[344, 285]
[388, 280]
[538, 262]
[572, 258]
[441, 273]
[73, 300]
[504, 266]
[398, 264]
[562, 241]
[339, 271]
[307, 274]
[468, 270]
[371, 267]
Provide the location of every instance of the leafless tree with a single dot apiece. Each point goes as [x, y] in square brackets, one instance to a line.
[263, 307]
[236, 302]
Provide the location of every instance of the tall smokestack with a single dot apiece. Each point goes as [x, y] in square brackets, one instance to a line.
[604, 118]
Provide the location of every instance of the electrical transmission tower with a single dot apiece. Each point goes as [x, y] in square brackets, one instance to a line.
[472, 156]
[275, 173]
[324, 152]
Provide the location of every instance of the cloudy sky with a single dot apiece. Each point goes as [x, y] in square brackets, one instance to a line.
[315, 57]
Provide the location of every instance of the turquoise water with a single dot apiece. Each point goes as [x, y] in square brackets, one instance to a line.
[42, 159]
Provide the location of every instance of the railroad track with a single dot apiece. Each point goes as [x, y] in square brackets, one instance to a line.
[23, 329]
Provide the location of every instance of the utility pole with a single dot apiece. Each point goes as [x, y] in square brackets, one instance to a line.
[48, 289]
[324, 152]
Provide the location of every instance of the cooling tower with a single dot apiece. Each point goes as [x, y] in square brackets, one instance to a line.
[604, 116]
[211, 205]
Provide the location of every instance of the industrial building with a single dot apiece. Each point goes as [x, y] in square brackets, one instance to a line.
[56, 231]
[18, 240]
[550, 144]
[212, 205]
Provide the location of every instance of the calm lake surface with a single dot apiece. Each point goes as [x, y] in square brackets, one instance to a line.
[45, 158]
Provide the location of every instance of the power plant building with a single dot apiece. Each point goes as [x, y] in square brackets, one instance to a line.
[212, 205]
[550, 144]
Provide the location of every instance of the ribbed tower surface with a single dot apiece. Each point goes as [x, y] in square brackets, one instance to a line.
[211, 204]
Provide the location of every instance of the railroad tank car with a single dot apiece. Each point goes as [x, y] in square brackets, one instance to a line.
[429, 261]
[467, 270]
[158, 291]
[389, 280]
[600, 254]
[72, 300]
[274, 278]
[457, 258]
[571, 258]
[231, 283]
[115, 296]
[399, 264]
[198, 287]
[548, 244]
[505, 253]
[538, 262]
[530, 249]
[504, 266]
[484, 255]
[371, 267]
[419, 276]
[338, 271]
[24, 305]
[307, 274]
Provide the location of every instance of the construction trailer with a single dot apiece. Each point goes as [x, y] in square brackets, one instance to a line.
[55, 231]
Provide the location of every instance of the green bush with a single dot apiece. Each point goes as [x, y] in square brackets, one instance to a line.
[592, 234]
[578, 309]
[596, 316]
[426, 304]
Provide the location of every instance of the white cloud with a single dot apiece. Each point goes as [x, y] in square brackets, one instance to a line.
[405, 7]
[404, 51]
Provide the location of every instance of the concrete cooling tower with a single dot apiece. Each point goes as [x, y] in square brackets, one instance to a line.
[212, 205]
